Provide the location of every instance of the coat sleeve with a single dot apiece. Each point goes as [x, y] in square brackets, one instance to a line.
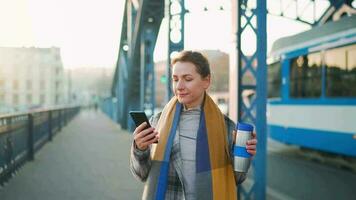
[231, 130]
[140, 161]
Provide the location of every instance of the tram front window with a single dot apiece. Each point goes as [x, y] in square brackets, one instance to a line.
[305, 76]
[341, 72]
[274, 80]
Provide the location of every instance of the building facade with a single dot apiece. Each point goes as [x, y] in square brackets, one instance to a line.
[30, 78]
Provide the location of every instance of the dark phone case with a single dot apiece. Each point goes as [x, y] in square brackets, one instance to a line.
[139, 117]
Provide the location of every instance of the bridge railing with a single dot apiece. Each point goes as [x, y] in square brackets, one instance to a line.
[23, 134]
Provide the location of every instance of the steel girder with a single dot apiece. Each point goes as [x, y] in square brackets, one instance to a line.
[148, 97]
[175, 12]
[252, 76]
[139, 33]
[119, 87]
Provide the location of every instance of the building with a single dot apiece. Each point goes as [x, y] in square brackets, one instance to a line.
[87, 84]
[30, 78]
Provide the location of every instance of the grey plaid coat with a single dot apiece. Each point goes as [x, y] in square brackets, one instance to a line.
[140, 164]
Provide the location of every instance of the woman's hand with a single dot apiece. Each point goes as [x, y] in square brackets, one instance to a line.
[251, 144]
[144, 137]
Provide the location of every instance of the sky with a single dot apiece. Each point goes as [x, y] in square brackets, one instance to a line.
[88, 31]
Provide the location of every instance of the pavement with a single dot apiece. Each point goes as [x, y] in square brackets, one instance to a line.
[88, 159]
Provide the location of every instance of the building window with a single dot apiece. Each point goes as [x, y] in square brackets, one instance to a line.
[15, 99]
[29, 85]
[42, 73]
[16, 85]
[340, 66]
[29, 70]
[42, 85]
[29, 99]
[42, 99]
[57, 99]
[2, 84]
[57, 85]
[305, 76]
[58, 70]
[2, 98]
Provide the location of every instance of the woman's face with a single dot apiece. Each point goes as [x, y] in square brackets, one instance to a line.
[188, 85]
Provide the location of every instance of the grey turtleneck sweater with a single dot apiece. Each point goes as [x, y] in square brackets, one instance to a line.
[187, 134]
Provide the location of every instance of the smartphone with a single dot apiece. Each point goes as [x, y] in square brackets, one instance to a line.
[139, 117]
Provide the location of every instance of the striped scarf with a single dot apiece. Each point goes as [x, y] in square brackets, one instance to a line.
[214, 172]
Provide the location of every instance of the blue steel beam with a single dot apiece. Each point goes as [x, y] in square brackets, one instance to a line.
[260, 163]
[253, 67]
[147, 69]
[150, 15]
[119, 86]
[136, 53]
[121, 89]
[175, 12]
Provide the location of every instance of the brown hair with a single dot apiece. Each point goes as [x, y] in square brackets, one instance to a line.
[200, 62]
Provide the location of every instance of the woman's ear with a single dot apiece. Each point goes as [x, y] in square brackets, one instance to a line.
[207, 81]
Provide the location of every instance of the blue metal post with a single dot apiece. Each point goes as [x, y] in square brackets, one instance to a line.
[175, 36]
[147, 69]
[253, 111]
[142, 70]
[122, 85]
[261, 89]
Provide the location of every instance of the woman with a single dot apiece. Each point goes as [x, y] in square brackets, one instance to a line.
[193, 156]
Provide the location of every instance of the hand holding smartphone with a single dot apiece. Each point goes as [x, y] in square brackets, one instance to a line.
[140, 117]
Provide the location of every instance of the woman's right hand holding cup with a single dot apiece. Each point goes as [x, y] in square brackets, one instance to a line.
[144, 137]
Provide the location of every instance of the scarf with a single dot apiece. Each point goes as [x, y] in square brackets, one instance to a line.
[214, 172]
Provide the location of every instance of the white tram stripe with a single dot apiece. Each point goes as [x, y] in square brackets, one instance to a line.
[317, 117]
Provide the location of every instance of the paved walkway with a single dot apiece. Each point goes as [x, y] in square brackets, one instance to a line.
[88, 159]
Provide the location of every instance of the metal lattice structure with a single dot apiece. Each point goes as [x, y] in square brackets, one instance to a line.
[175, 12]
[252, 69]
[252, 76]
[133, 85]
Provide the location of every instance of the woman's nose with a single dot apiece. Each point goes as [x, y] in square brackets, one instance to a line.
[180, 85]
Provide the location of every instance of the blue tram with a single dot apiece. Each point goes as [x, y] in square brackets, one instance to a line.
[312, 88]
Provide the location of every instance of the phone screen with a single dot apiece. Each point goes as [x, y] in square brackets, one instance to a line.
[139, 117]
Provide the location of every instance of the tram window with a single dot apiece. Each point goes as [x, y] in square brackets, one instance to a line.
[274, 80]
[341, 72]
[351, 66]
[305, 76]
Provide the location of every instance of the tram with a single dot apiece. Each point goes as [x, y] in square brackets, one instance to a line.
[312, 88]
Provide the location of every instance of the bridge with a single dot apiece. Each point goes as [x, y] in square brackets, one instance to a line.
[80, 153]
[86, 159]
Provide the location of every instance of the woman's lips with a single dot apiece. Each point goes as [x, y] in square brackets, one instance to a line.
[182, 95]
